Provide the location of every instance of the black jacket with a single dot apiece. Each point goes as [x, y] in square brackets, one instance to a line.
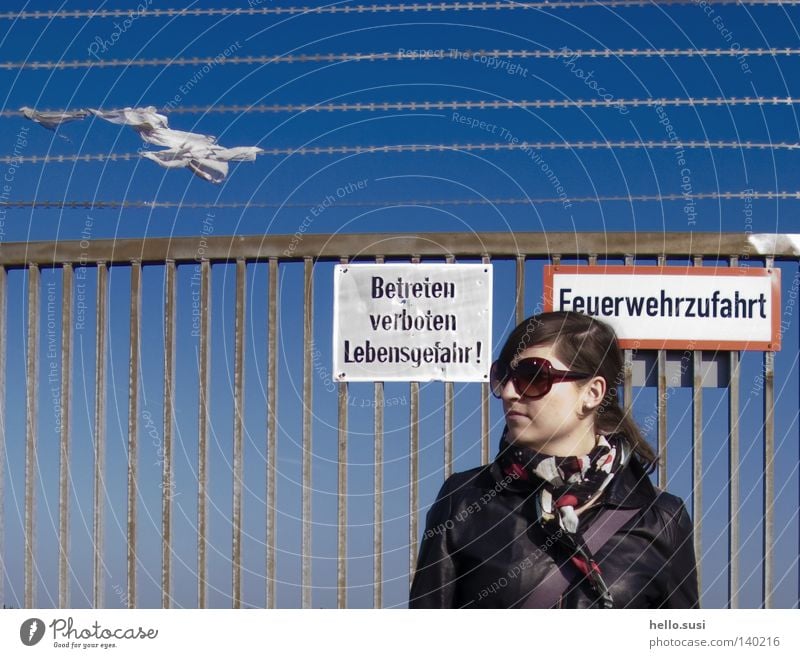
[482, 547]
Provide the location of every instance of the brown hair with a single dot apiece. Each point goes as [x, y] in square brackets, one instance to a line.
[588, 345]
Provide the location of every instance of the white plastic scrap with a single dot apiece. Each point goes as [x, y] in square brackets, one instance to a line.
[209, 162]
[199, 153]
[145, 118]
[208, 169]
[51, 120]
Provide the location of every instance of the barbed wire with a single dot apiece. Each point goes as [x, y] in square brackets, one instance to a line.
[421, 55]
[427, 148]
[386, 106]
[342, 8]
[130, 205]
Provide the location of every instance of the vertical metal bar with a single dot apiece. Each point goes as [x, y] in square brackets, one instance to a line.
[167, 483]
[448, 429]
[377, 577]
[64, 419]
[341, 498]
[519, 300]
[661, 407]
[733, 473]
[627, 386]
[272, 413]
[133, 422]
[3, 363]
[413, 458]
[448, 416]
[308, 338]
[662, 410]
[769, 470]
[204, 368]
[485, 393]
[99, 433]
[697, 454]
[413, 468]
[238, 422]
[32, 370]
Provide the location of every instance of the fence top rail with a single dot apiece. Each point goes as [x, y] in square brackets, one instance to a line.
[332, 247]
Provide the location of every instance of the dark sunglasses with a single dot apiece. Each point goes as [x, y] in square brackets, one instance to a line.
[532, 378]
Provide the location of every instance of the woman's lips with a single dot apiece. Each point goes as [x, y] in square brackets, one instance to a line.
[516, 415]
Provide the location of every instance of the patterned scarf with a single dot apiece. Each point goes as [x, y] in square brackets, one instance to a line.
[564, 485]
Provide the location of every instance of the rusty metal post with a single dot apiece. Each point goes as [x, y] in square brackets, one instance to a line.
[167, 481]
[377, 577]
[133, 423]
[238, 426]
[627, 386]
[413, 470]
[272, 416]
[98, 534]
[204, 405]
[31, 405]
[341, 495]
[661, 407]
[519, 299]
[308, 344]
[733, 471]
[64, 476]
[769, 472]
[485, 395]
[448, 415]
[697, 455]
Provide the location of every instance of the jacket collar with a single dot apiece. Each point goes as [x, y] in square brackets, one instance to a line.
[630, 488]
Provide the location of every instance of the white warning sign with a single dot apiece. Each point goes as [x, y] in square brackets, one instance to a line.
[674, 307]
[412, 322]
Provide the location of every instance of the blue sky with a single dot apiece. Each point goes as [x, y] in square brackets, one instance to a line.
[295, 183]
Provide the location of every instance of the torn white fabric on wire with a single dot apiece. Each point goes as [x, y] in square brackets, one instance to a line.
[145, 118]
[206, 168]
[209, 163]
[51, 120]
[153, 128]
[199, 153]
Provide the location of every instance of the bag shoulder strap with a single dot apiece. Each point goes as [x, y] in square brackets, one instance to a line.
[555, 583]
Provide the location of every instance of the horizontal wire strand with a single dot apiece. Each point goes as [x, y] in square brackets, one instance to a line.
[129, 205]
[427, 148]
[440, 54]
[385, 106]
[342, 8]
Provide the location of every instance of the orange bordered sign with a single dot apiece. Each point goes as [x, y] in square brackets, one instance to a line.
[669, 307]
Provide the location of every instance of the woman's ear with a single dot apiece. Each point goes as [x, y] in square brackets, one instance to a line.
[593, 393]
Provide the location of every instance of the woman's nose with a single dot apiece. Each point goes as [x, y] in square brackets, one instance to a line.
[508, 390]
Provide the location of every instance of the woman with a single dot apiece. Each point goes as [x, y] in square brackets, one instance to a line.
[566, 515]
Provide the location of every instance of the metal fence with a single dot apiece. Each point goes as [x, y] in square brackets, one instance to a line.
[276, 251]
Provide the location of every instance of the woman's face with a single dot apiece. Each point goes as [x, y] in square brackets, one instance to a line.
[561, 422]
